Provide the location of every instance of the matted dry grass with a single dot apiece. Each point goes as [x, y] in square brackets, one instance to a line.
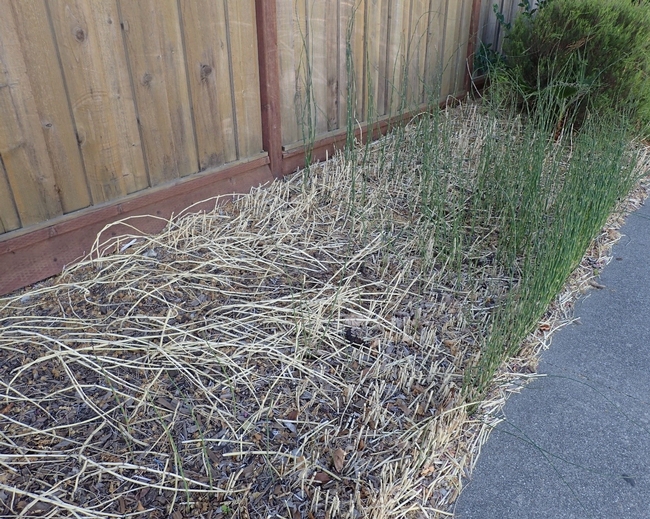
[297, 353]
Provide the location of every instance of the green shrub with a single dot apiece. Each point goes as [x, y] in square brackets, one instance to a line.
[582, 56]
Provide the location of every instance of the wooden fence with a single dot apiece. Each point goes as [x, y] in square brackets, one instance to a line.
[366, 59]
[102, 99]
[112, 107]
[490, 31]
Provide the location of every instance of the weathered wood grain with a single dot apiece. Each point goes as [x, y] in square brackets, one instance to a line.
[352, 74]
[433, 68]
[332, 56]
[9, 219]
[302, 61]
[451, 48]
[417, 50]
[152, 33]
[206, 45]
[396, 46]
[462, 39]
[317, 33]
[376, 57]
[289, 43]
[91, 48]
[48, 87]
[245, 76]
[23, 150]
[267, 48]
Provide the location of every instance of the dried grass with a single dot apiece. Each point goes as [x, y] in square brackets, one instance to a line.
[289, 354]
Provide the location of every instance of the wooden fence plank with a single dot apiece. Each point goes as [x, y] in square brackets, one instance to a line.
[352, 30]
[504, 8]
[245, 74]
[483, 28]
[204, 27]
[317, 34]
[396, 56]
[410, 50]
[465, 14]
[435, 49]
[346, 59]
[288, 42]
[22, 144]
[332, 56]
[302, 63]
[154, 44]
[418, 50]
[46, 79]
[360, 63]
[473, 43]
[450, 59]
[382, 75]
[266, 15]
[90, 44]
[9, 219]
[376, 57]
[490, 27]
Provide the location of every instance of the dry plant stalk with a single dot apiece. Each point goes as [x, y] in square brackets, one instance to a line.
[289, 354]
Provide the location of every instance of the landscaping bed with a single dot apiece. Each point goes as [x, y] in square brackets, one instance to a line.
[303, 351]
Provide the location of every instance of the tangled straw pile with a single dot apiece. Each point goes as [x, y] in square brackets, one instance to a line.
[298, 352]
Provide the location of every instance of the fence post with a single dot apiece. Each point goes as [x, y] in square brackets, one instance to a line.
[472, 43]
[267, 44]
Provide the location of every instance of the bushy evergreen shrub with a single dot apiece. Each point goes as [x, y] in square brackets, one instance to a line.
[586, 56]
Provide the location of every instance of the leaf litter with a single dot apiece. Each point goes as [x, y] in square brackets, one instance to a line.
[292, 353]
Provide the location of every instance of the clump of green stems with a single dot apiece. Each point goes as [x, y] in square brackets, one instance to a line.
[534, 195]
[533, 192]
[550, 200]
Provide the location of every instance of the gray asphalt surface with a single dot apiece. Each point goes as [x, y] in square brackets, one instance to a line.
[576, 443]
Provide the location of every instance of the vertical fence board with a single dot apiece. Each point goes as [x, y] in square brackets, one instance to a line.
[22, 144]
[246, 81]
[90, 43]
[332, 46]
[463, 41]
[287, 45]
[383, 67]
[351, 85]
[375, 33]
[301, 50]
[317, 20]
[360, 58]
[450, 59]
[346, 60]
[504, 7]
[52, 106]
[204, 27]
[155, 51]
[395, 56]
[488, 25]
[435, 49]
[9, 219]
[418, 34]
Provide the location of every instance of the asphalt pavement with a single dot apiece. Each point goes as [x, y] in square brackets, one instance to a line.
[575, 443]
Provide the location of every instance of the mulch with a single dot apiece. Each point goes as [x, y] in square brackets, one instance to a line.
[290, 354]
